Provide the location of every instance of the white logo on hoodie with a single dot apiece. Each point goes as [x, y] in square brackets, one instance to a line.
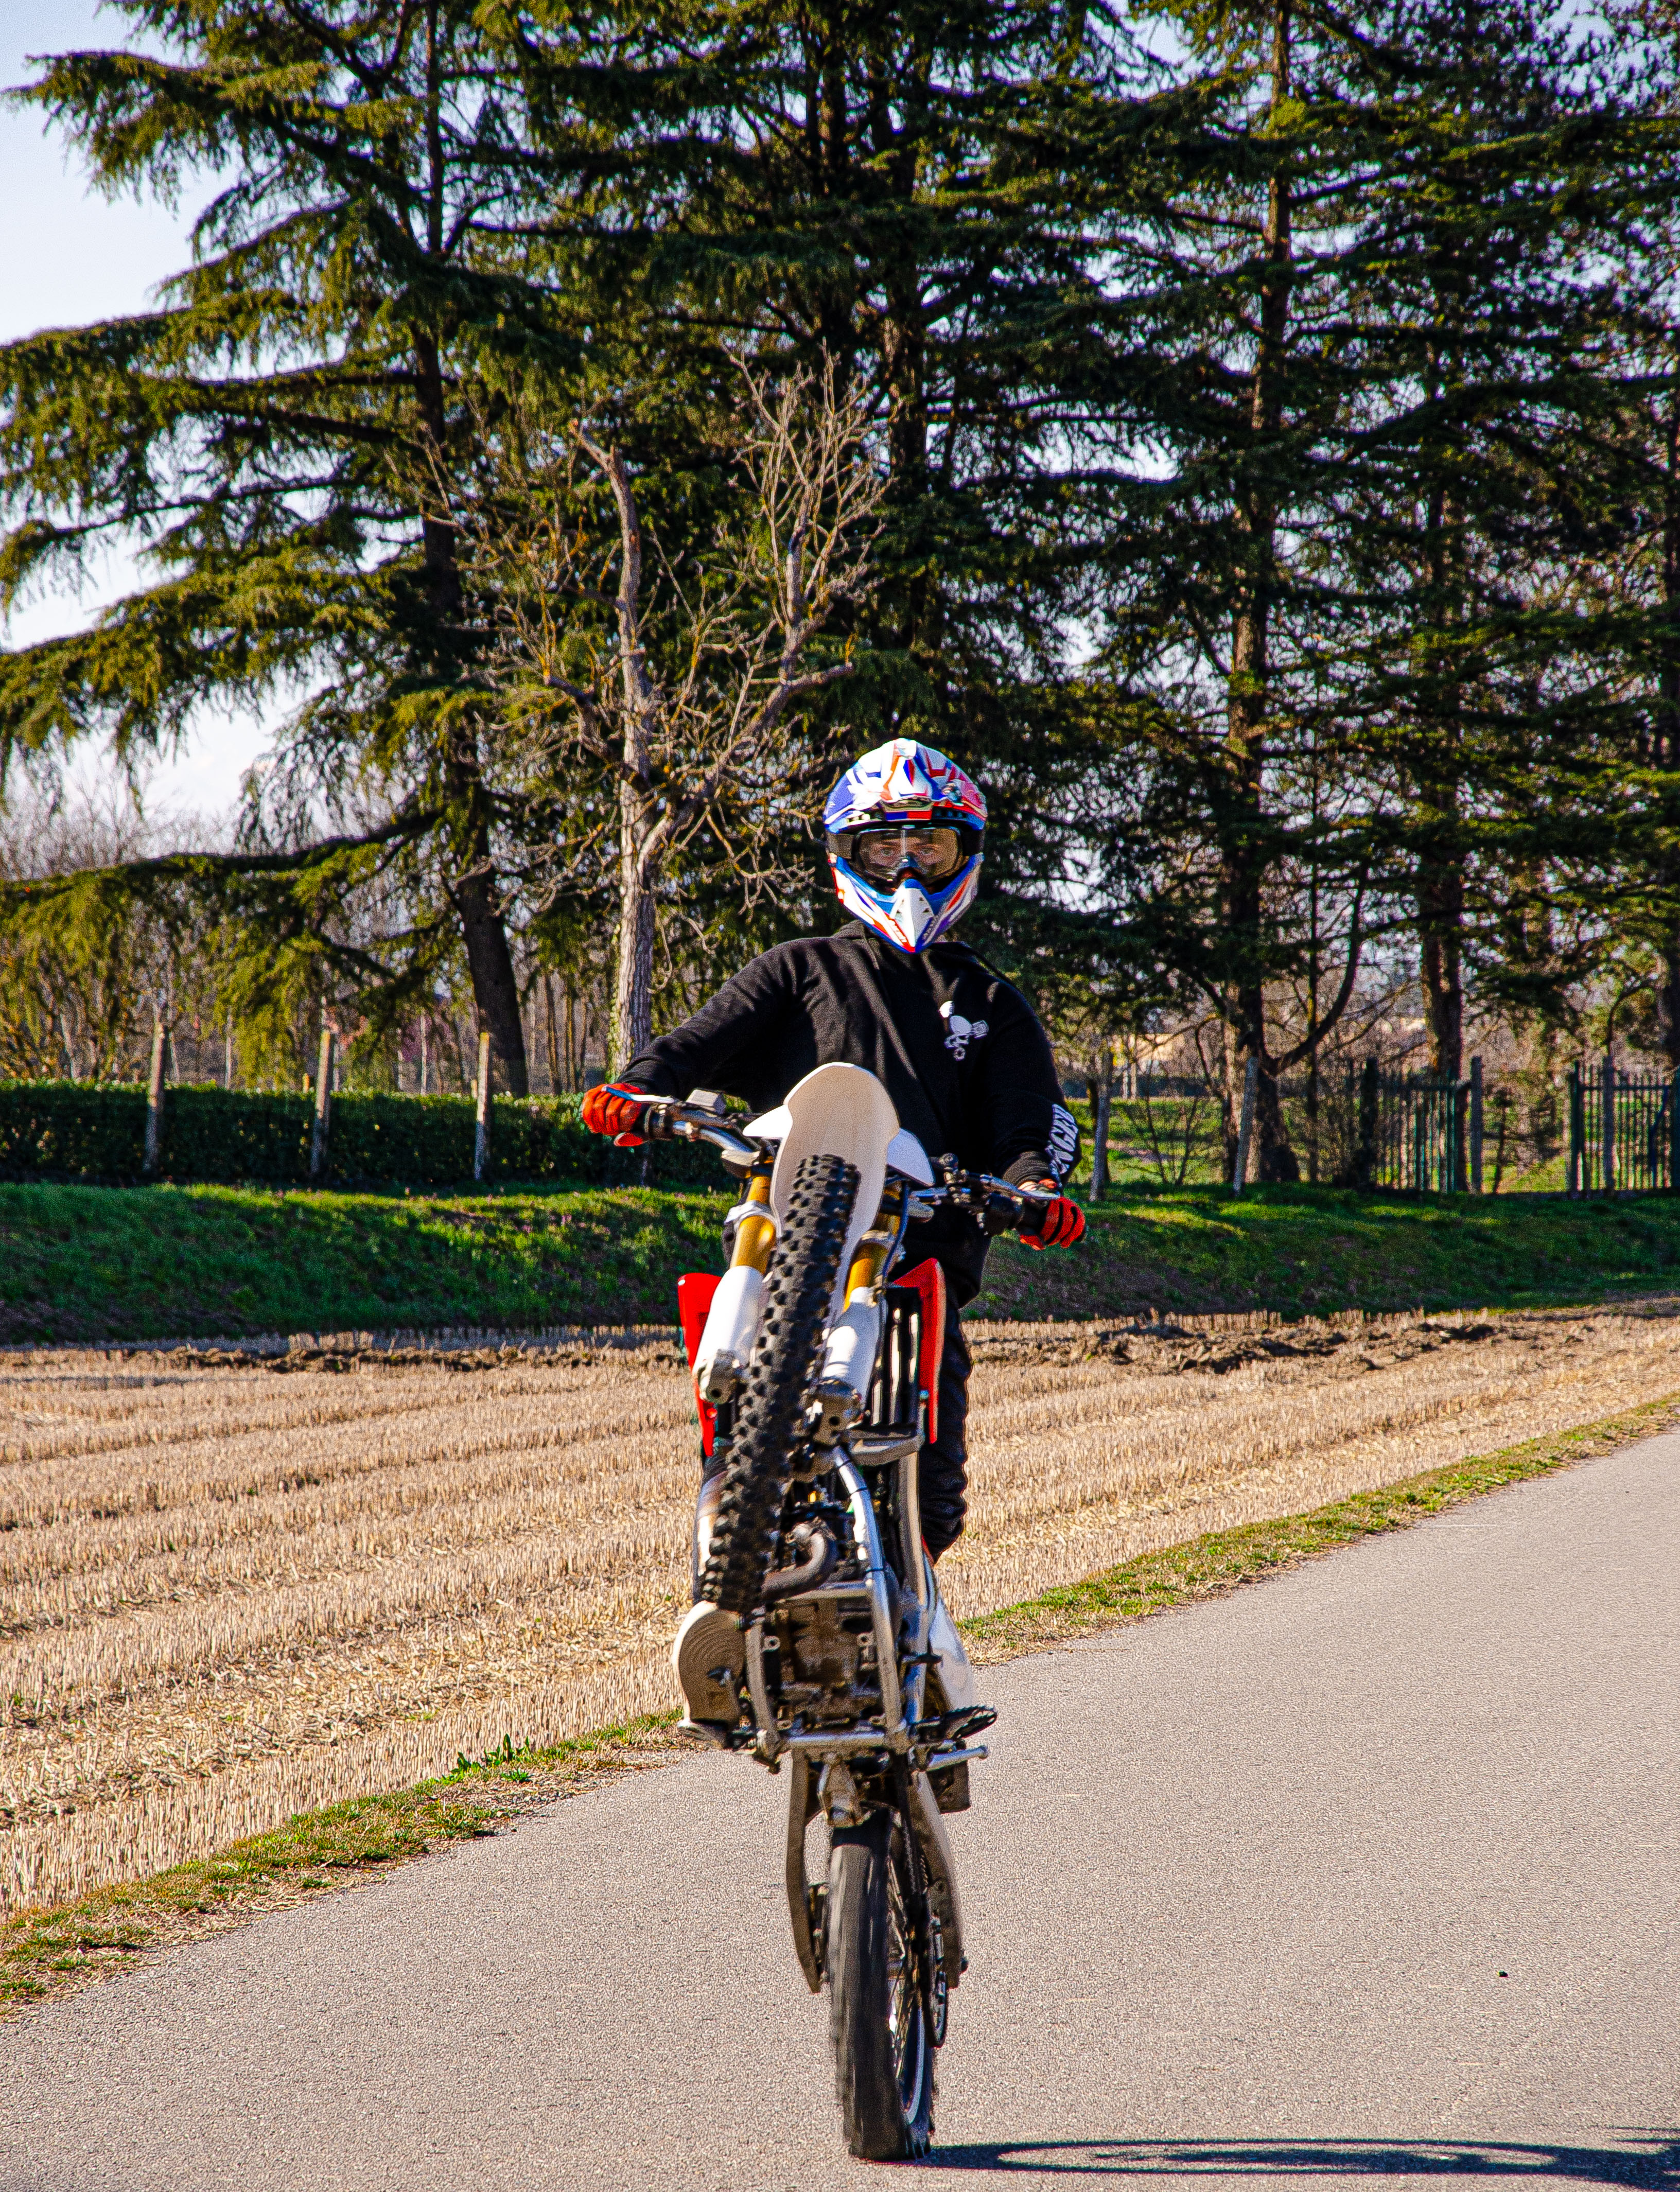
[961, 1032]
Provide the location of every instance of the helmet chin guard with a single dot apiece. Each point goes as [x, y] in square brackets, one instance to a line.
[905, 783]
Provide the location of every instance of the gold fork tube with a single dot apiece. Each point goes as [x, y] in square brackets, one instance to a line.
[756, 1235]
[866, 1265]
[869, 1259]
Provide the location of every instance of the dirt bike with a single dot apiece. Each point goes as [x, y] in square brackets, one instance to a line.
[822, 1639]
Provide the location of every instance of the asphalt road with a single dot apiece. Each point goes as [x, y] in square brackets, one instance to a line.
[1369, 1871]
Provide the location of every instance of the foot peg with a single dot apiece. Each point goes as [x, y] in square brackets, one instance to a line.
[968, 1722]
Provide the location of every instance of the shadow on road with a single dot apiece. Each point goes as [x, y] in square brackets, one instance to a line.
[1657, 2165]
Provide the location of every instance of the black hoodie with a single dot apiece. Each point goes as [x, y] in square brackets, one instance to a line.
[958, 1050]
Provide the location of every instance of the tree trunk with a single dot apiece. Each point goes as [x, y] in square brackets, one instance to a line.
[1102, 1079]
[1667, 740]
[1440, 877]
[633, 981]
[496, 988]
[1244, 853]
[1440, 889]
[553, 1036]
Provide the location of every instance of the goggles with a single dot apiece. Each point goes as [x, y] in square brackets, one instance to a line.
[932, 851]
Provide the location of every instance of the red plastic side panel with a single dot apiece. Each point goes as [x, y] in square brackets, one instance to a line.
[694, 1290]
[929, 1281]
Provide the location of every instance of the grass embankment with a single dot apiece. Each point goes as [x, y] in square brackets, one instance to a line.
[1317, 1250]
[80, 1263]
[41, 1951]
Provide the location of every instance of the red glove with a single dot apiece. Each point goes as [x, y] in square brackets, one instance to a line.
[1062, 1224]
[611, 1109]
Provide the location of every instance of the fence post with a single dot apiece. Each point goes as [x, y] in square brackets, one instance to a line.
[154, 1099]
[1239, 1176]
[1674, 1134]
[1607, 1122]
[323, 1106]
[1577, 1131]
[1101, 1096]
[481, 1138]
[1365, 1147]
[1477, 1125]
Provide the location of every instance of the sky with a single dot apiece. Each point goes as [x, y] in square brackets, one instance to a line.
[68, 256]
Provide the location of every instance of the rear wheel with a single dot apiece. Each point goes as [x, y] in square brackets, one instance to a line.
[883, 2055]
[798, 1289]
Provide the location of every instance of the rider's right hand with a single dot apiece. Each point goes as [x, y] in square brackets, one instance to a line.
[614, 1108]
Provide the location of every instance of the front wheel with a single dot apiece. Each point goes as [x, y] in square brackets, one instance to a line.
[883, 2055]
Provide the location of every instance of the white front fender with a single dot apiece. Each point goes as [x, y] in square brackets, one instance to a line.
[843, 1111]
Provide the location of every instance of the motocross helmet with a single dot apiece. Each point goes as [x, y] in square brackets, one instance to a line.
[904, 829]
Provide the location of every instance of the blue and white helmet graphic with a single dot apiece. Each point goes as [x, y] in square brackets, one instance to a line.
[904, 828]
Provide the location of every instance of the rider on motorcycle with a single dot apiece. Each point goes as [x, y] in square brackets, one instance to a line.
[958, 1050]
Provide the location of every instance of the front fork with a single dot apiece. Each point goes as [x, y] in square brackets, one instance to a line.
[812, 1789]
[847, 1372]
[732, 1322]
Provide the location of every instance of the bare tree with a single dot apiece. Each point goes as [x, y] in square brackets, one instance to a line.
[78, 995]
[682, 676]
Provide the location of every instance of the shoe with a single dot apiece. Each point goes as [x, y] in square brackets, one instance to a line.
[955, 1675]
[710, 1657]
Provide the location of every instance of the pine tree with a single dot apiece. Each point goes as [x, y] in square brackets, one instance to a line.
[1238, 387]
[1515, 162]
[273, 434]
[907, 191]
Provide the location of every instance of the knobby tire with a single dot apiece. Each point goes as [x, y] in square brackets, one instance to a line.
[798, 1289]
[883, 2055]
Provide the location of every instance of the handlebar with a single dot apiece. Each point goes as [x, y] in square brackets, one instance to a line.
[1000, 1205]
[665, 1119]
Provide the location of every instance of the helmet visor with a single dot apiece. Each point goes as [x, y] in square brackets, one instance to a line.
[931, 852]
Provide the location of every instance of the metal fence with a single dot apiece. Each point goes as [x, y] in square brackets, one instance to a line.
[1427, 1136]
[1420, 1135]
[1624, 1130]
[1615, 1132]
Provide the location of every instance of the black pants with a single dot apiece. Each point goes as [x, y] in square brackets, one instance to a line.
[942, 1469]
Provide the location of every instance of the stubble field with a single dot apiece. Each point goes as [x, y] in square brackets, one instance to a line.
[232, 1590]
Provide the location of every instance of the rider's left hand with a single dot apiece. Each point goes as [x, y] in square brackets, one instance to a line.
[1061, 1224]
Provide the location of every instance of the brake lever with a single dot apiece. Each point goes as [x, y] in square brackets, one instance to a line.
[656, 1122]
[1001, 1214]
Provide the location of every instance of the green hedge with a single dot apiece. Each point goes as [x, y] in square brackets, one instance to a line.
[57, 1130]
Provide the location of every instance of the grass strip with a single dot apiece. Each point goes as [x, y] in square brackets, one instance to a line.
[44, 1950]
